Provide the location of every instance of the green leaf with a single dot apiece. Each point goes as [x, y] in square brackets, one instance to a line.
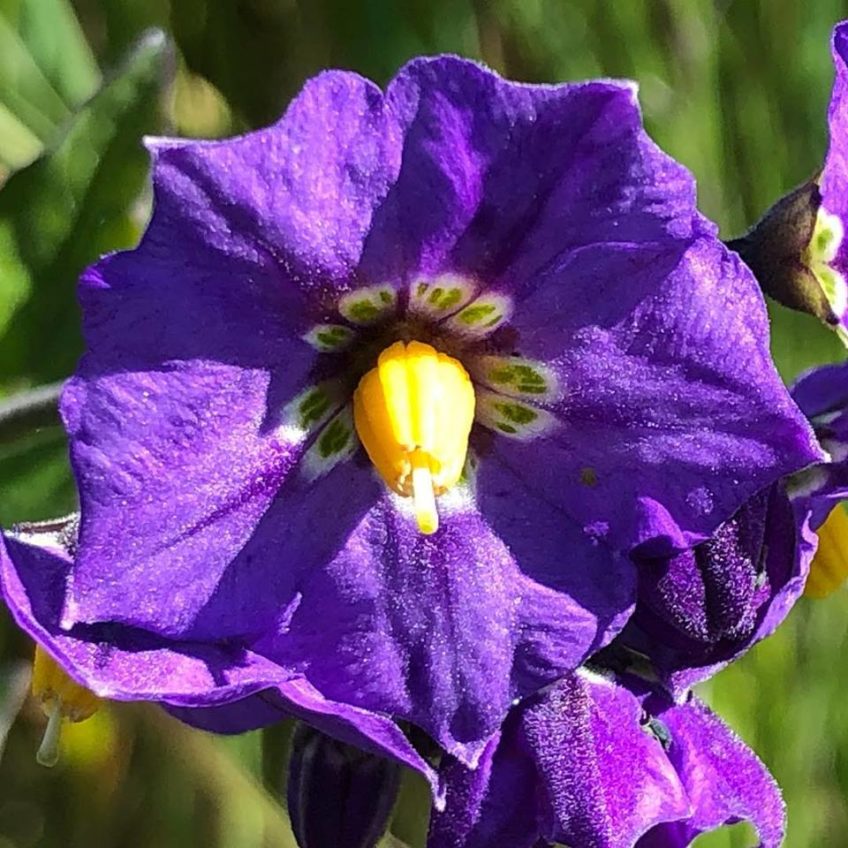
[250, 50]
[52, 34]
[47, 71]
[35, 478]
[67, 208]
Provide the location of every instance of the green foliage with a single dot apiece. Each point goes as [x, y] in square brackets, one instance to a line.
[72, 204]
[735, 90]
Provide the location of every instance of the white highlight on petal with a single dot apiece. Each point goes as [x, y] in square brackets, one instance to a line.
[822, 250]
[482, 316]
[458, 499]
[838, 450]
[336, 443]
[512, 418]
[308, 410]
[808, 482]
[441, 296]
[329, 338]
[825, 418]
[827, 236]
[368, 304]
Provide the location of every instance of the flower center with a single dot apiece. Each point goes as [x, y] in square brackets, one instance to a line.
[61, 698]
[413, 414]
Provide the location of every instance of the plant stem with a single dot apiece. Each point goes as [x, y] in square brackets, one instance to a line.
[28, 411]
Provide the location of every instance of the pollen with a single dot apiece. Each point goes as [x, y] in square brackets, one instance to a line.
[413, 414]
[61, 699]
[829, 568]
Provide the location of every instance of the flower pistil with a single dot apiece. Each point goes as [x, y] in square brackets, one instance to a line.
[413, 414]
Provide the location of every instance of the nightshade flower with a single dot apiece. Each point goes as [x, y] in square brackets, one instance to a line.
[505, 294]
[601, 763]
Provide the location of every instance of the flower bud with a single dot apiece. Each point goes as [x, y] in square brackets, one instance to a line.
[338, 795]
[790, 252]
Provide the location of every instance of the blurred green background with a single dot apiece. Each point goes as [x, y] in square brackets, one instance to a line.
[735, 90]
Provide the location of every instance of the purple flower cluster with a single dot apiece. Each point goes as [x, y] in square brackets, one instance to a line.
[622, 504]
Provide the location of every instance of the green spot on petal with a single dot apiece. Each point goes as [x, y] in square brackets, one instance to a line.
[475, 314]
[506, 428]
[333, 337]
[313, 407]
[588, 476]
[824, 239]
[516, 413]
[334, 439]
[363, 310]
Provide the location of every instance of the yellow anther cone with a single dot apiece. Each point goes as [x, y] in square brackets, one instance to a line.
[61, 699]
[829, 568]
[413, 414]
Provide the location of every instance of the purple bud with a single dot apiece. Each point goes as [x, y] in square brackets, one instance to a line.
[338, 795]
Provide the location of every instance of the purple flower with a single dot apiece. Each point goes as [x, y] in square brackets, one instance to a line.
[600, 764]
[505, 292]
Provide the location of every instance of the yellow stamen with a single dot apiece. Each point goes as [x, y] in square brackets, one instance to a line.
[829, 568]
[413, 413]
[61, 699]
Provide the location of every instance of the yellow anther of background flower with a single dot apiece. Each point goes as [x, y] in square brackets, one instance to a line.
[61, 699]
[829, 568]
[413, 414]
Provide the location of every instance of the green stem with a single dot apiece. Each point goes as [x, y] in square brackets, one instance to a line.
[27, 411]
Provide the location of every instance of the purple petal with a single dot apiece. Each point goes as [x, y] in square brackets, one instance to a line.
[723, 777]
[822, 390]
[194, 344]
[822, 395]
[574, 766]
[220, 688]
[445, 631]
[703, 608]
[497, 179]
[669, 395]
[122, 663]
[498, 803]
[834, 177]
[607, 779]
[298, 197]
